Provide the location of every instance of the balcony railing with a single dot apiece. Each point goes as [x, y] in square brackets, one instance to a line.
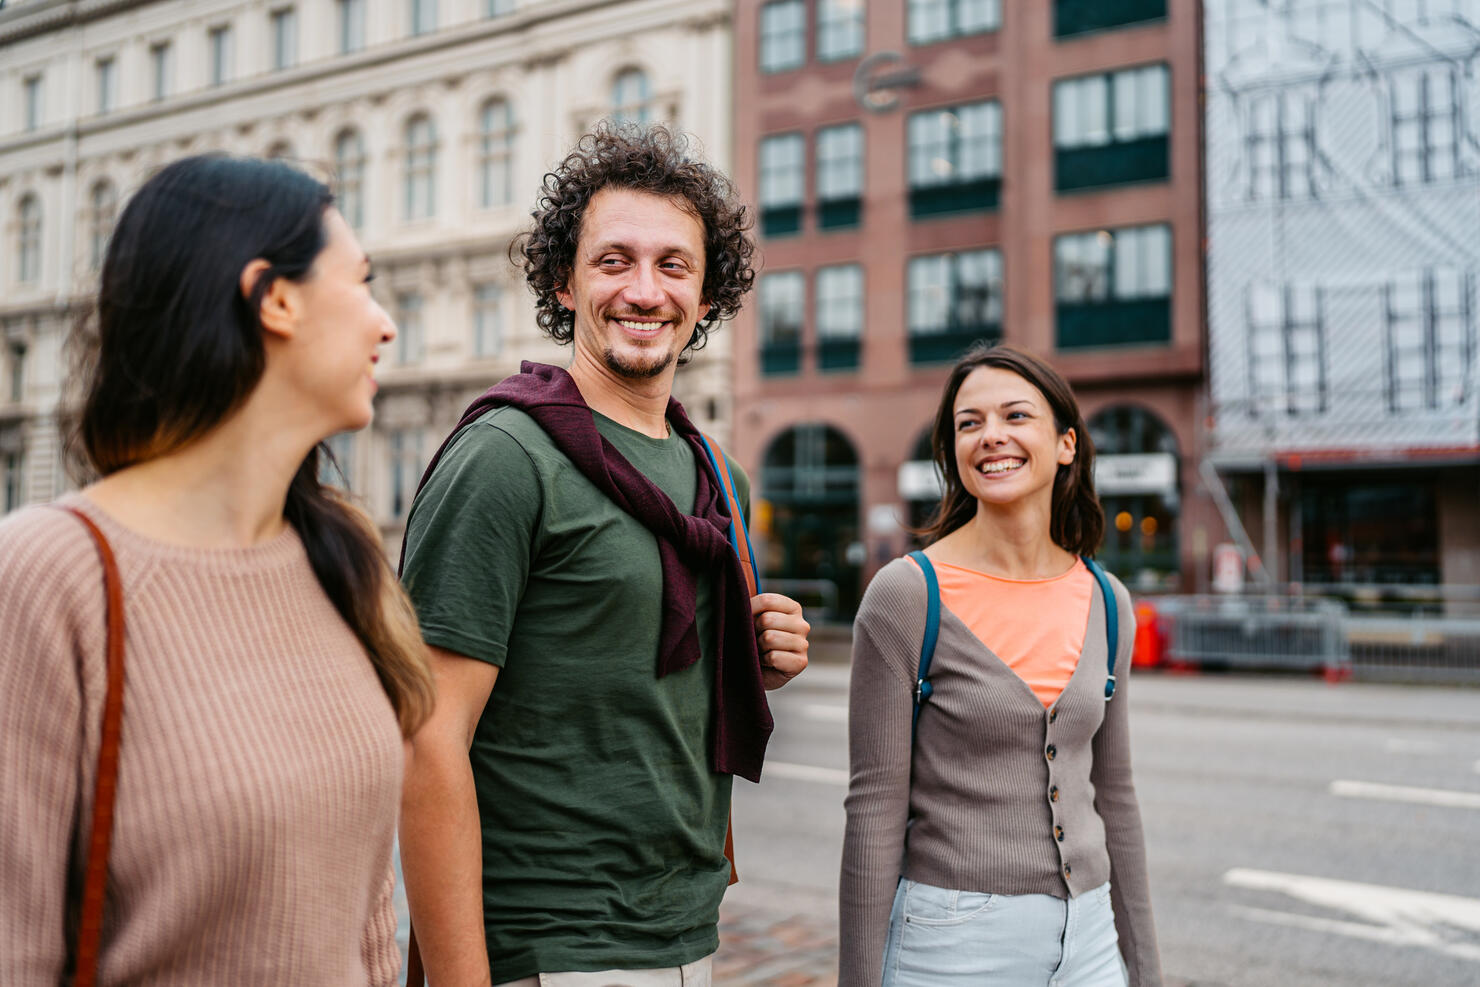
[1144, 160]
[974, 196]
[1080, 16]
[779, 359]
[781, 220]
[1114, 323]
[838, 214]
[838, 354]
[948, 344]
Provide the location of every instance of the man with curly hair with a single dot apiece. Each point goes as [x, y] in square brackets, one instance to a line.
[601, 666]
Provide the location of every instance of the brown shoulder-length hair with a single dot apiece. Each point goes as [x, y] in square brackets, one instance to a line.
[177, 349]
[1077, 522]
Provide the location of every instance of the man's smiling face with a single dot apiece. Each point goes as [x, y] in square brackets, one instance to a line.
[636, 286]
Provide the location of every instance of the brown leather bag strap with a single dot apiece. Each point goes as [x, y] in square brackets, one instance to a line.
[95, 879]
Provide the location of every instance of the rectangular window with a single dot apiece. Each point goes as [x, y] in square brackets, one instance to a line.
[410, 338]
[1280, 146]
[1287, 349]
[11, 461]
[1081, 16]
[162, 69]
[423, 16]
[839, 175]
[405, 469]
[31, 95]
[284, 38]
[1113, 286]
[1431, 339]
[782, 183]
[351, 25]
[955, 158]
[783, 43]
[936, 20]
[1111, 129]
[782, 309]
[839, 316]
[107, 79]
[222, 55]
[1426, 125]
[488, 326]
[840, 29]
[954, 301]
[17, 372]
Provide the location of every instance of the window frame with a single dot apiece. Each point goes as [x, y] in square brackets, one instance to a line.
[936, 159]
[350, 170]
[781, 343]
[350, 21]
[1285, 329]
[220, 43]
[838, 19]
[781, 48]
[30, 236]
[947, 18]
[419, 202]
[283, 29]
[105, 70]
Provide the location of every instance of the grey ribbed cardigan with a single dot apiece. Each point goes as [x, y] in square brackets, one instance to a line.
[993, 810]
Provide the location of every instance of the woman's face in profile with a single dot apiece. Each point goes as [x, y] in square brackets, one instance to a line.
[339, 333]
[1007, 445]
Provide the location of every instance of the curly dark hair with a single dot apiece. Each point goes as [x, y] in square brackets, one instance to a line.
[644, 159]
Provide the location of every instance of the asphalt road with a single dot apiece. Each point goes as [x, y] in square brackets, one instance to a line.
[1299, 833]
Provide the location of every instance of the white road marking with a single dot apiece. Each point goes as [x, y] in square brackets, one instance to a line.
[831, 714]
[1403, 793]
[1477, 767]
[1399, 916]
[1398, 745]
[804, 772]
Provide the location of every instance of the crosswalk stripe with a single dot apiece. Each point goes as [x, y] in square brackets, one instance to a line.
[804, 772]
[1403, 793]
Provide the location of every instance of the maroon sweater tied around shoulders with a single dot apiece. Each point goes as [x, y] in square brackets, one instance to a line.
[686, 543]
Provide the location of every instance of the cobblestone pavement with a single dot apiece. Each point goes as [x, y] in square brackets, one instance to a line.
[767, 945]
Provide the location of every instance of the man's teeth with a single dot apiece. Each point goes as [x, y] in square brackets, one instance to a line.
[1001, 465]
[640, 326]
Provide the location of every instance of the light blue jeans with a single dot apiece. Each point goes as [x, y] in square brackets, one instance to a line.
[941, 938]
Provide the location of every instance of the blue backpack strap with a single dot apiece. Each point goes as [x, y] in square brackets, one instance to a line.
[1112, 623]
[738, 535]
[927, 643]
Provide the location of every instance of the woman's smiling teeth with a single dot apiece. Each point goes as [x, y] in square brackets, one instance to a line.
[1000, 465]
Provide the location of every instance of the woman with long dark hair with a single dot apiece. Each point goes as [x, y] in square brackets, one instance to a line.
[272, 664]
[993, 832]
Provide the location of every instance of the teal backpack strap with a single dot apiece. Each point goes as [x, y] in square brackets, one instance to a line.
[739, 537]
[1112, 622]
[927, 643]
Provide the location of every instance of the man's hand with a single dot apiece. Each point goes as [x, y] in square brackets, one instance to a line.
[781, 637]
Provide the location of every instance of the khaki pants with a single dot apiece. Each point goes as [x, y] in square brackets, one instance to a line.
[696, 974]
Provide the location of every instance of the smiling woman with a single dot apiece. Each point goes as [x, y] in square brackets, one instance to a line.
[1025, 862]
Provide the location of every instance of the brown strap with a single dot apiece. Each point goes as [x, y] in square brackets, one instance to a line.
[95, 880]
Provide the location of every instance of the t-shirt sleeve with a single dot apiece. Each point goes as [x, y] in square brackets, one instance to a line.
[469, 542]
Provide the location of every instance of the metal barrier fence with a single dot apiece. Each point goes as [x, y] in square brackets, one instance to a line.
[1268, 632]
[1300, 633]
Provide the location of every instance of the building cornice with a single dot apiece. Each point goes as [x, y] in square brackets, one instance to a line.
[28, 20]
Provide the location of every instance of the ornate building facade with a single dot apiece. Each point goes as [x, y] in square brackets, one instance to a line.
[435, 120]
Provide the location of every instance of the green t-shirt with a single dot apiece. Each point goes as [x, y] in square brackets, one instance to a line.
[603, 821]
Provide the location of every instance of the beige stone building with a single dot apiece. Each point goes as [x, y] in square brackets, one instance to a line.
[437, 119]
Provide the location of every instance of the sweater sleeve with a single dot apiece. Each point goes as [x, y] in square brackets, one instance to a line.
[880, 709]
[1115, 801]
[46, 561]
[378, 944]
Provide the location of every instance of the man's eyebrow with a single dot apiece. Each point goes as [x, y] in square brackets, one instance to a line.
[626, 248]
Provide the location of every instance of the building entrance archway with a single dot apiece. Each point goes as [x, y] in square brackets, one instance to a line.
[810, 485]
[1137, 466]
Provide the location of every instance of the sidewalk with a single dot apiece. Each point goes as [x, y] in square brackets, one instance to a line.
[763, 944]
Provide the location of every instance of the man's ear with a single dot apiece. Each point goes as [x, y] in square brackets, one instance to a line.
[563, 293]
[277, 309]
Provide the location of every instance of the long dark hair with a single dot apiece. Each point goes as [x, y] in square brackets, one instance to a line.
[1077, 521]
[178, 348]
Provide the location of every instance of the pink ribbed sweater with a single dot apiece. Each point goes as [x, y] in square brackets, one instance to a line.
[260, 771]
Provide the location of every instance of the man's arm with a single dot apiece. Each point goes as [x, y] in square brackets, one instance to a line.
[781, 636]
[441, 841]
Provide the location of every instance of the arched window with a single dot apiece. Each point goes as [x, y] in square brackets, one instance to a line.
[632, 97]
[1136, 476]
[102, 210]
[349, 165]
[421, 167]
[28, 241]
[280, 151]
[810, 479]
[495, 153]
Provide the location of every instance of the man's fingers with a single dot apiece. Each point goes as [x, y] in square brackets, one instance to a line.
[780, 667]
[774, 601]
[780, 640]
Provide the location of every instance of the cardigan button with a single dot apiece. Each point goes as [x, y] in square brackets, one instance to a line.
[1053, 714]
[1058, 833]
[1068, 870]
[1052, 752]
[1053, 794]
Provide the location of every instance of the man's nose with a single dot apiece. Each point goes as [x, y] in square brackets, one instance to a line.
[644, 289]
